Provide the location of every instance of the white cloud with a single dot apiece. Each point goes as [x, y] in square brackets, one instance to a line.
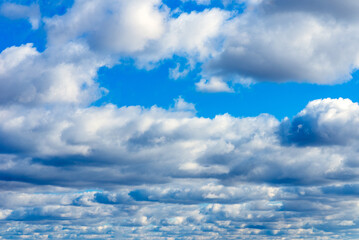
[175, 73]
[116, 26]
[227, 148]
[194, 33]
[281, 41]
[214, 84]
[219, 173]
[63, 74]
[158, 172]
[143, 30]
[288, 41]
[181, 105]
[16, 11]
[323, 122]
[12, 57]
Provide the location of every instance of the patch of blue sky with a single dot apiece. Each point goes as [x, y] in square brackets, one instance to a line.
[48, 8]
[16, 32]
[189, 6]
[129, 85]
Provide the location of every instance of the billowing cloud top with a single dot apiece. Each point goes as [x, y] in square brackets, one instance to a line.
[73, 168]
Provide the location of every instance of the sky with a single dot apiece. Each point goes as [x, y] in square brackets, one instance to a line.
[179, 119]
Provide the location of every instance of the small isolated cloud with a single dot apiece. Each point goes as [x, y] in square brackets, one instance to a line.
[16, 11]
[214, 84]
[176, 73]
[181, 105]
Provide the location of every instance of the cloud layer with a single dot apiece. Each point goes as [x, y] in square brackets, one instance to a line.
[70, 169]
[225, 173]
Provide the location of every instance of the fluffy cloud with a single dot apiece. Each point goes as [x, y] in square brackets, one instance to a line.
[72, 170]
[121, 140]
[132, 145]
[291, 41]
[214, 84]
[103, 214]
[119, 26]
[194, 35]
[323, 122]
[143, 30]
[63, 75]
[277, 41]
[225, 175]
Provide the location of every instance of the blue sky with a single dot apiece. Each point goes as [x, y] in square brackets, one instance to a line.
[179, 119]
[129, 86]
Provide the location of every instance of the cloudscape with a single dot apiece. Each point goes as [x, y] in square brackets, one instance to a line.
[179, 119]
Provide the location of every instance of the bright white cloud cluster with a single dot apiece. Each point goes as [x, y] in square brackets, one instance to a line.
[140, 29]
[63, 75]
[325, 122]
[115, 26]
[194, 35]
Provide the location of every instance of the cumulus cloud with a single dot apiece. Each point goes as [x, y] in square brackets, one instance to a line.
[323, 122]
[193, 35]
[132, 145]
[277, 41]
[63, 74]
[222, 174]
[181, 105]
[119, 26]
[255, 219]
[69, 169]
[281, 41]
[120, 140]
[143, 30]
[214, 84]
[291, 41]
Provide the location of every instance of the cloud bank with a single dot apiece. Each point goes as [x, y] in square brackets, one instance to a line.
[70, 169]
